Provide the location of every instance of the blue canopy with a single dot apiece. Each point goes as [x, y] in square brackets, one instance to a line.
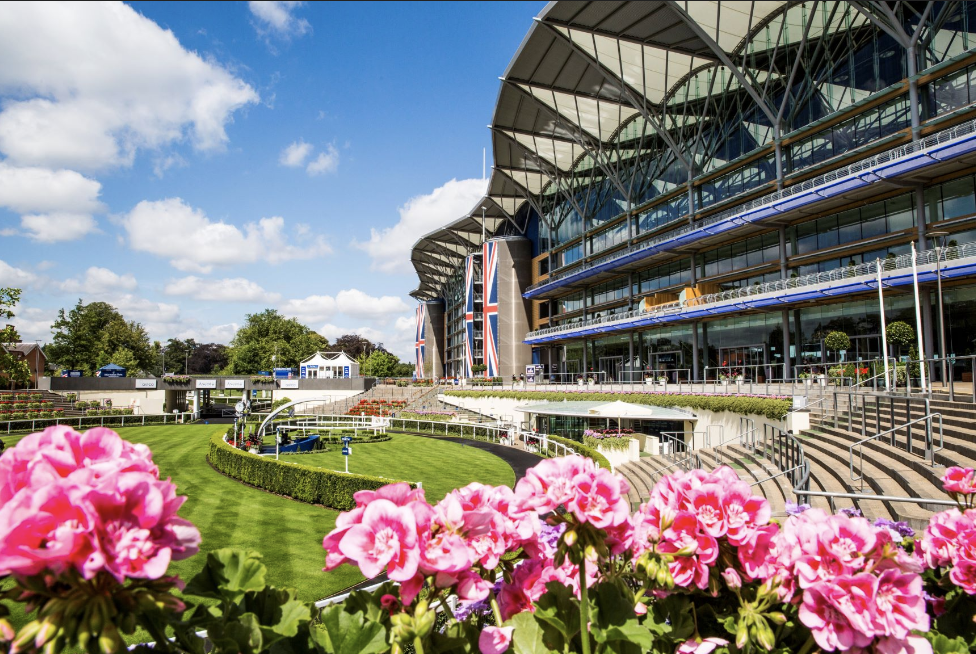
[111, 370]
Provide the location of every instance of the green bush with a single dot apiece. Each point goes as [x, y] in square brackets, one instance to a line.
[300, 482]
[583, 450]
[837, 341]
[900, 333]
[772, 408]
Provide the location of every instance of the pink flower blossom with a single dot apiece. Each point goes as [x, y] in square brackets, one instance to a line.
[840, 613]
[495, 640]
[959, 481]
[900, 604]
[386, 538]
[703, 646]
[92, 502]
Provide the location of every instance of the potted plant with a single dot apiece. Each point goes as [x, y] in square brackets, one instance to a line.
[805, 376]
[662, 380]
[837, 342]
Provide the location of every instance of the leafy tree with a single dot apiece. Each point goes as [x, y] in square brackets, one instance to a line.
[355, 346]
[404, 370]
[837, 341]
[269, 340]
[207, 358]
[379, 363]
[900, 334]
[12, 368]
[177, 354]
[90, 335]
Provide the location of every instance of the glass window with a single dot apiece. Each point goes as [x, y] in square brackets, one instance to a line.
[873, 220]
[849, 226]
[827, 238]
[958, 199]
[806, 237]
[901, 214]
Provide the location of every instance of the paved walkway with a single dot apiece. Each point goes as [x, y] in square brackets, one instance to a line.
[519, 460]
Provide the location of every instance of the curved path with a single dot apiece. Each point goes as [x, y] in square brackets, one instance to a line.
[519, 460]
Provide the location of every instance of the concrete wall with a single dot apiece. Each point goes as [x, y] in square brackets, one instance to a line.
[99, 384]
[724, 424]
[149, 402]
[434, 336]
[514, 312]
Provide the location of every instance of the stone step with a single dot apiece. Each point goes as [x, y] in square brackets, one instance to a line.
[882, 475]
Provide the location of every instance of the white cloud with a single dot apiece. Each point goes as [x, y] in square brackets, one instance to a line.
[313, 308]
[55, 205]
[389, 248]
[332, 332]
[16, 277]
[277, 17]
[326, 162]
[98, 281]
[144, 310]
[294, 155]
[88, 85]
[54, 227]
[238, 289]
[194, 243]
[213, 334]
[33, 324]
[350, 302]
[356, 304]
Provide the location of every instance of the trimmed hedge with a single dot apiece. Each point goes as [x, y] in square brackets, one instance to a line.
[583, 450]
[300, 482]
[772, 408]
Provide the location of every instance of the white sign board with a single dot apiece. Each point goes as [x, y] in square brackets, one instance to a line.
[233, 383]
[288, 383]
[206, 383]
[145, 383]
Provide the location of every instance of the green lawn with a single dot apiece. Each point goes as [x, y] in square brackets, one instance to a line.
[440, 465]
[289, 533]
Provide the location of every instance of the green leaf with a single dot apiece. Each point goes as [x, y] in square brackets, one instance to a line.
[349, 633]
[242, 635]
[229, 574]
[557, 607]
[941, 644]
[527, 637]
[632, 633]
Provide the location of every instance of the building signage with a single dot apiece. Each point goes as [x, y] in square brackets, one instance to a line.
[145, 383]
[288, 383]
[345, 371]
[233, 383]
[206, 383]
[71, 373]
[530, 374]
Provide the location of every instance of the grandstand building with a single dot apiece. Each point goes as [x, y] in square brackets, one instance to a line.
[691, 189]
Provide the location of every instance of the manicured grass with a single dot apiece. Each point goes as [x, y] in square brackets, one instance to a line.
[440, 465]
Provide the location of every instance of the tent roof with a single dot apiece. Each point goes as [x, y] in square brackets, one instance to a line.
[111, 366]
[616, 409]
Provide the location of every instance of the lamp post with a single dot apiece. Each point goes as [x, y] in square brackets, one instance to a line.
[938, 280]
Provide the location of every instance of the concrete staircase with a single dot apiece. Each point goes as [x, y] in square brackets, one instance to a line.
[891, 466]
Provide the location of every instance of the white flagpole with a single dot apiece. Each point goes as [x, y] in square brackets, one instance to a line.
[884, 329]
[918, 320]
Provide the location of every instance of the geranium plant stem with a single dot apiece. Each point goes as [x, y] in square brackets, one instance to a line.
[584, 608]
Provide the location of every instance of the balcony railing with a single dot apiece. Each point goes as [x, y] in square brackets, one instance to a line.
[779, 286]
[963, 129]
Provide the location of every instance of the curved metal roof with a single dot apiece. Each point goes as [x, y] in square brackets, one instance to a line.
[588, 72]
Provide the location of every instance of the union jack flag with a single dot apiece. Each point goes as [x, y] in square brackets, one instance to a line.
[419, 346]
[490, 307]
[468, 316]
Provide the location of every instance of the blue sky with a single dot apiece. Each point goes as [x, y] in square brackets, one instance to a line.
[191, 163]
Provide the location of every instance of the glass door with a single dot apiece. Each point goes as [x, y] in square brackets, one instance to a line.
[667, 364]
[746, 361]
[610, 367]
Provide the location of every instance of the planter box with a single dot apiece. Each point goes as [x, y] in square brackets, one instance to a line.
[619, 457]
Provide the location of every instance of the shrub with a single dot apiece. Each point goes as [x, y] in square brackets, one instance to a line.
[900, 333]
[774, 408]
[178, 379]
[583, 450]
[300, 482]
[282, 401]
[837, 341]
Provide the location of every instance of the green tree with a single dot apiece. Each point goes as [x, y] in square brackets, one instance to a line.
[355, 346]
[269, 340]
[379, 364]
[207, 358]
[178, 354]
[14, 369]
[88, 337]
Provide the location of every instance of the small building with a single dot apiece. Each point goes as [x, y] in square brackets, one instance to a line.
[33, 354]
[328, 365]
[571, 419]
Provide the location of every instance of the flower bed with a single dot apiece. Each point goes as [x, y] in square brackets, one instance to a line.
[609, 439]
[376, 407]
[559, 564]
[774, 407]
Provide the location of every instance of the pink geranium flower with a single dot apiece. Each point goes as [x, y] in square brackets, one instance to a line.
[959, 481]
[386, 538]
[495, 640]
[841, 613]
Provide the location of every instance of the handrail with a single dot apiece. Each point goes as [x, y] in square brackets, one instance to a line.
[929, 447]
[842, 273]
[881, 498]
[778, 474]
[897, 152]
